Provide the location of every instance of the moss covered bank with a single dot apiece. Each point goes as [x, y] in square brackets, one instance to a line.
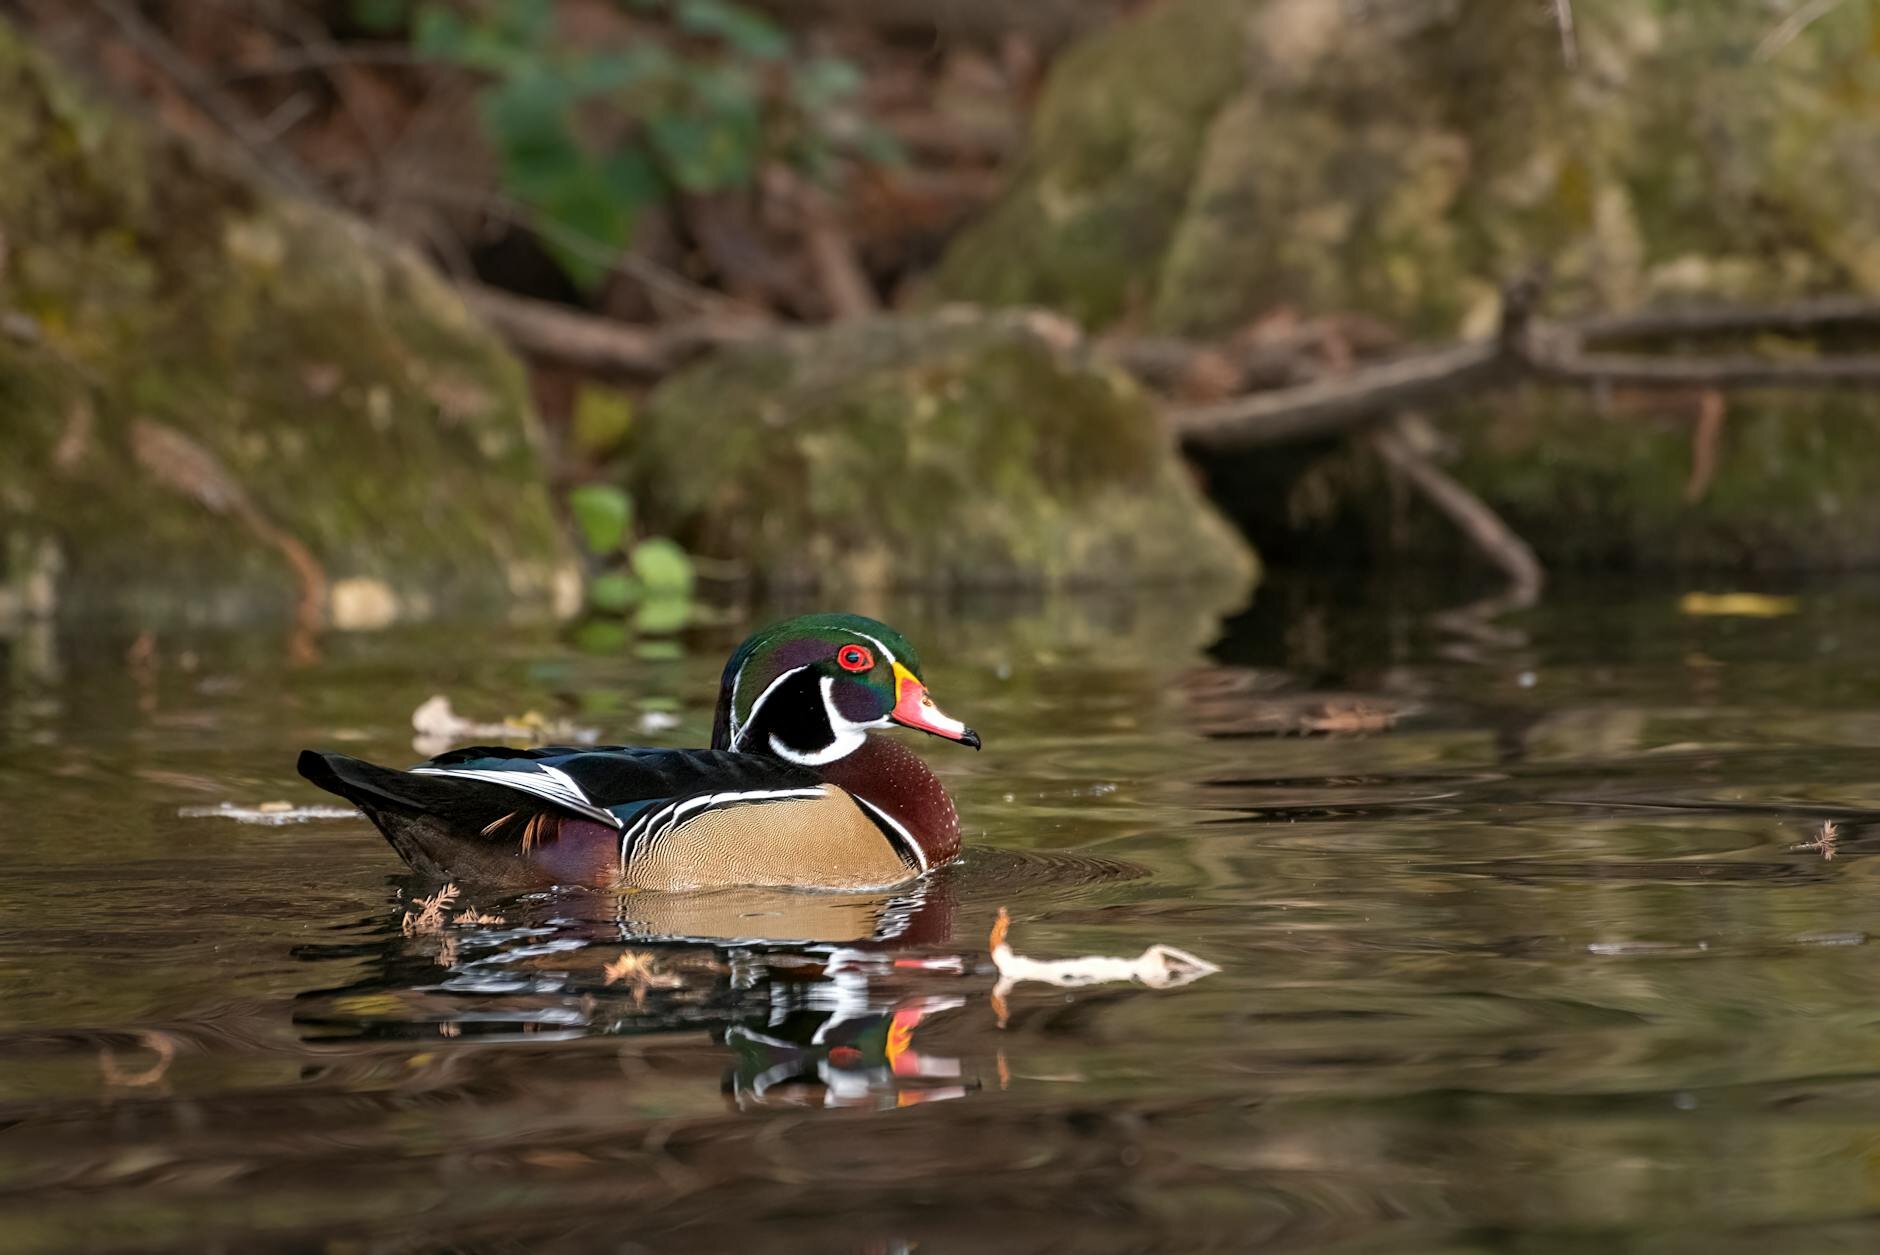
[212, 398]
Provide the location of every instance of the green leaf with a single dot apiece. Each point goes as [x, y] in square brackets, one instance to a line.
[603, 513]
[662, 615]
[743, 30]
[663, 567]
[618, 69]
[602, 636]
[381, 16]
[824, 82]
[613, 592]
[438, 32]
[706, 152]
[601, 419]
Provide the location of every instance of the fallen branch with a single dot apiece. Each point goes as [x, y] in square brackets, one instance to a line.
[1636, 370]
[256, 148]
[1472, 516]
[1331, 407]
[1797, 22]
[1704, 437]
[600, 345]
[1551, 353]
[1813, 314]
[1569, 45]
[179, 463]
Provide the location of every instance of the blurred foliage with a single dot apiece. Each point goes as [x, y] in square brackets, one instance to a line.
[602, 416]
[592, 134]
[650, 577]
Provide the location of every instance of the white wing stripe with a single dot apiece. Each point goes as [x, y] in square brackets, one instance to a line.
[542, 781]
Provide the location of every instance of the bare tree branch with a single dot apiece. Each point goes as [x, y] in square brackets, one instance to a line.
[256, 148]
[1569, 45]
[1330, 406]
[1472, 516]
[1794, 24]
[1550, 353]
[601, 345]
[1637, 370]
[1704, 320]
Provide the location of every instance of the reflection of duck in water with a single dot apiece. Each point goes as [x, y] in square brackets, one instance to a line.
[826, 1044]
[797, 789]
[921, 914]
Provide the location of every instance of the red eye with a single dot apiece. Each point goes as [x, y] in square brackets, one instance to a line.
[855, 658]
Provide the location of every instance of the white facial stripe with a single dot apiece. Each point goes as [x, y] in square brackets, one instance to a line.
[738, 726]
[846, 736]
[838, 723]
[846, 743]
[843, 728]
[885, 651]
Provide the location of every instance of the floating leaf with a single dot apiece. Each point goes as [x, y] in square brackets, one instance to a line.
[663, 567]
[1743, 605]
[603, 513]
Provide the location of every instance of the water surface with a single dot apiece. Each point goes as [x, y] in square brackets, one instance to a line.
[1528, 942]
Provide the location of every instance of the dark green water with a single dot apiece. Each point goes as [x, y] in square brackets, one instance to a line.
[1535, 967]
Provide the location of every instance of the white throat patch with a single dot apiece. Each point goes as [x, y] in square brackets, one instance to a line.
[847, 737]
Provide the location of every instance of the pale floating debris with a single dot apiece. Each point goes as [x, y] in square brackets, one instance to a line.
[1647, 947]
[1831, 939]
[271, 814]
[1158, 967]
[1824, 843]
[162, 1044]
[437, 727]
[658, 721]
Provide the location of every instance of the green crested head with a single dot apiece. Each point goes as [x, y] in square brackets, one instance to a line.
[808, 688]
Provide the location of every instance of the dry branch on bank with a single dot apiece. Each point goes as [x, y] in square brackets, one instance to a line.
[1483, 528]
[603, 346]
[1553, 353]
[1331, 406]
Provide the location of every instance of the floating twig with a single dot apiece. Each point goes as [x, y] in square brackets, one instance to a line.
[1824, 842]
[430, 917]
[1158, 967]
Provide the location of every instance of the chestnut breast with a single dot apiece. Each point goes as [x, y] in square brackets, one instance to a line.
[888, 775]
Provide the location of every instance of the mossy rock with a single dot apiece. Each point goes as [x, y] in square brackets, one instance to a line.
[204, 386]
[1214, 161]
[952, 450]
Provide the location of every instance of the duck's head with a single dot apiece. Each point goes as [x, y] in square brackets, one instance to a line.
[808, 689]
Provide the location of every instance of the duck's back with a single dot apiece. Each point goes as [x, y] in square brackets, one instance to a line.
[619, 816]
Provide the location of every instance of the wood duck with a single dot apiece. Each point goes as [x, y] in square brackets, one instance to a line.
[797, 789]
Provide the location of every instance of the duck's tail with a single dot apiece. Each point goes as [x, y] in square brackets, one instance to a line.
[452, 827]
